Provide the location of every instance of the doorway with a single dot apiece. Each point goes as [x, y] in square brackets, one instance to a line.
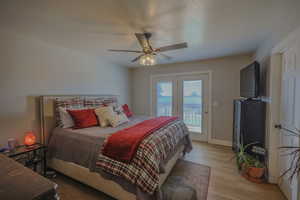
[284, 110]
[289, 120]
[186, 96]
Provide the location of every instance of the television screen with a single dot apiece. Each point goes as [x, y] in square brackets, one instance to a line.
[249, 81]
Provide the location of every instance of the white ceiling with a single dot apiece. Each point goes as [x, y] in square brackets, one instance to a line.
[212, 28]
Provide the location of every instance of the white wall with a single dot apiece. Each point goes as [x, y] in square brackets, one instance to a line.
[225, 83]
[29, 68]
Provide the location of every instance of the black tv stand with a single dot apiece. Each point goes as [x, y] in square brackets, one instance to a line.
[249, 123]
[251, 99]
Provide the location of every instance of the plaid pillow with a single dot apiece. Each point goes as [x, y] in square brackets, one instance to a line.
[100, 101]
[67, 103]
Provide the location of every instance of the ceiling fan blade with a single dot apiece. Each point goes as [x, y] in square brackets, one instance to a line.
[119, 50]
[172, 47]
[165, 56]
[137, 58]
[144, 41]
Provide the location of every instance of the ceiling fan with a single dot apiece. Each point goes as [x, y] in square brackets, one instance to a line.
[148, 53]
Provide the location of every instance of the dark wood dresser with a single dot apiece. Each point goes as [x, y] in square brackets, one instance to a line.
[20, 183]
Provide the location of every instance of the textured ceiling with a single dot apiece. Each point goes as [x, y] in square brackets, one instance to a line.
[212, 28]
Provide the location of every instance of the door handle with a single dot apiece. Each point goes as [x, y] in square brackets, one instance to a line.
[205, 109]
[278, 126]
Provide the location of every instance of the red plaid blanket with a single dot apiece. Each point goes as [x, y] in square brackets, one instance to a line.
[123, 144]
[144, 170]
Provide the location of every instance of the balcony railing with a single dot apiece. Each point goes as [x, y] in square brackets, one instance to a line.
[192, 114]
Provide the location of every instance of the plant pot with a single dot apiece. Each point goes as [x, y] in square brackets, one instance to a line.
[255, 172]
[243, 168]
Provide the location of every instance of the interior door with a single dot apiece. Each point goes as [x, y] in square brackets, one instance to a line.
[185, 96]
[289, 119]
[193, 104]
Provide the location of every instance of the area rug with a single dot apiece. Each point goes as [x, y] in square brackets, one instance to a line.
[193, 175]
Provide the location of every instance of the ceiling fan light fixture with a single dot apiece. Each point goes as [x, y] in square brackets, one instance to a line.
[148, 60]
[148, 54]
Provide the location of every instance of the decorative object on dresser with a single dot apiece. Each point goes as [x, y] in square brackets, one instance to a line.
[12, 143]
[29, 138]
[33, 157]
[18, 182]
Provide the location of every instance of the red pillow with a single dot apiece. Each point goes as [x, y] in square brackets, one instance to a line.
[83, 118]
[126, 110]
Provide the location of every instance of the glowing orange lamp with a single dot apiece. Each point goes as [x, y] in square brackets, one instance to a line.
[29, 139]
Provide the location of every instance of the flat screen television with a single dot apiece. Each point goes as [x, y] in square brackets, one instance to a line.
[249, 81]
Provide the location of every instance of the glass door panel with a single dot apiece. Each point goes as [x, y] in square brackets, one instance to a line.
[164, 96]
[185, 96]
[192, 105]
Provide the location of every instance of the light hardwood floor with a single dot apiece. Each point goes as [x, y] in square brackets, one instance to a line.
[225, 181]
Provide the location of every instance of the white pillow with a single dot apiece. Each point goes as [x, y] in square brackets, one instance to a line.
[118, 119]
[65, 117]
[107, 116]
[103, 114]
[116, 107]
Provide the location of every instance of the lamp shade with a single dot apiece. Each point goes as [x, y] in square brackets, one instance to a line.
[148, 60]
[29, 138]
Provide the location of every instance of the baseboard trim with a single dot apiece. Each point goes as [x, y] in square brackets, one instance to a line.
[273, 179]
[220, 142]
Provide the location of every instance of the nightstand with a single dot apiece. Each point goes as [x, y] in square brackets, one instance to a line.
[33, 157]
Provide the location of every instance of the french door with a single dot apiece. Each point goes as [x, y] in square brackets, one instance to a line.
[185, 96]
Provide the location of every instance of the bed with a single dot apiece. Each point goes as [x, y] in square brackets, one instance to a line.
[72, 152]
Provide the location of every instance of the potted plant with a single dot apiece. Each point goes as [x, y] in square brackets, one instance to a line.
[255, 169]
[242, 156]
[251, 167]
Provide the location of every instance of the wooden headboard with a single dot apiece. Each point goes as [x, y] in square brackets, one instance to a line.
[47, 108]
